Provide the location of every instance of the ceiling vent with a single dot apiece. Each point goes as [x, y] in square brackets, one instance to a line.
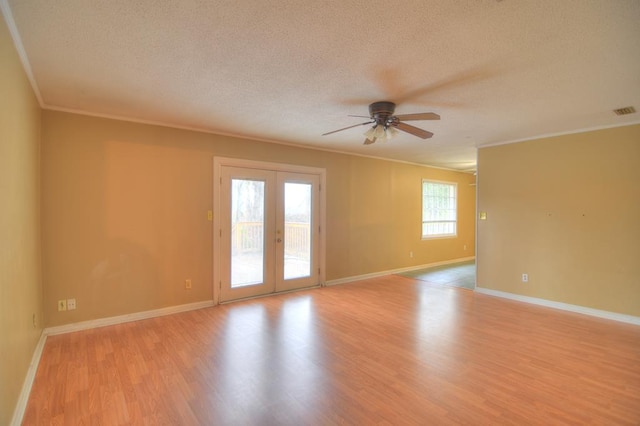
[625, 110]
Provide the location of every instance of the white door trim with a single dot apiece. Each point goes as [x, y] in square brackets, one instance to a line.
[218, 163]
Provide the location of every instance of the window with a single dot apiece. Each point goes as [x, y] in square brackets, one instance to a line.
[439, 209]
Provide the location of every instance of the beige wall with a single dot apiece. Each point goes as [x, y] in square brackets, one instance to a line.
[20, 285]
[565, 210]
[124, 213]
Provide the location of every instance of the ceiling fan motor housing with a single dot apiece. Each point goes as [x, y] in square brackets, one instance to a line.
[382, 111]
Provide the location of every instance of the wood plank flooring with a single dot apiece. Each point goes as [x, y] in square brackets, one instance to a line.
[390, 350]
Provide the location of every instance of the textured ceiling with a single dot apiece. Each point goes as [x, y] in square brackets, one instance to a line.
[290, 70]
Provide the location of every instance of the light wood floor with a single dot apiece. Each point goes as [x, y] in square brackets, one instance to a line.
[389, 350]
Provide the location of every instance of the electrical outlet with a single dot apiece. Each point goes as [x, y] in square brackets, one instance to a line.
[525, 278]
[465, 246]
[410, 254]
[71, 304]
[187, 284]
[35, 322]
[62, 305]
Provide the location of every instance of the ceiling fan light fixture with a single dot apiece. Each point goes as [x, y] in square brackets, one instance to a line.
[391, 132]
[379, 132]
[370, 133]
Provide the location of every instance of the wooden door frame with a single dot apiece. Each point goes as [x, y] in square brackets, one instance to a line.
[218, 164]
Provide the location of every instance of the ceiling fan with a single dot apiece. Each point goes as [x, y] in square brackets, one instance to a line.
[385, 123]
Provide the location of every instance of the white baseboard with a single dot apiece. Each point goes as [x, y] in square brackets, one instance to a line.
[21, 405]
[396, 271]
[630, 319]
[102, 322]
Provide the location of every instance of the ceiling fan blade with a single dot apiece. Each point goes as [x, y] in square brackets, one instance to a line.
[413, 130]
[361, 116]
[418, 116]
[349, 127]
[369, 141]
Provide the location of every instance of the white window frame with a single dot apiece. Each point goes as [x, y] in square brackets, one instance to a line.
[449, 220]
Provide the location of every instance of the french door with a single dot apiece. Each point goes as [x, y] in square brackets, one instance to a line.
[269, 231]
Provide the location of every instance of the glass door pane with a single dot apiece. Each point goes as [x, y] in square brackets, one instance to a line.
[297, 230]
[247, 232]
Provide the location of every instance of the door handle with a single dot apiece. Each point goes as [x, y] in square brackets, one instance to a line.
[279, 240]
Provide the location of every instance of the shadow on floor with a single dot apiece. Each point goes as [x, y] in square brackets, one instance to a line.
[457, 274]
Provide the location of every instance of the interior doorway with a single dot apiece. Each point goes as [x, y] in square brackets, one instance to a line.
[459, 274]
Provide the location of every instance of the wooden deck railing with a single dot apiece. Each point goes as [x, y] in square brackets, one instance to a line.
[248, 238]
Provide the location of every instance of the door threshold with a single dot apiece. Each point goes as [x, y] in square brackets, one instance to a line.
[269, 294]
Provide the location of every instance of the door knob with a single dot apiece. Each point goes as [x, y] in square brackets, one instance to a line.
[279, 240]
